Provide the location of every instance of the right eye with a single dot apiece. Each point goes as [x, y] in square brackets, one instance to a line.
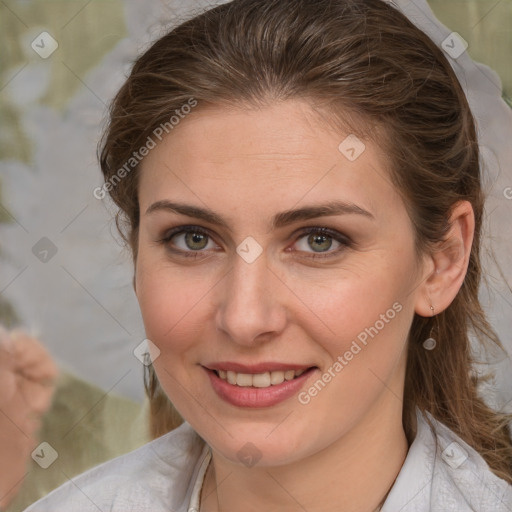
[187, 241]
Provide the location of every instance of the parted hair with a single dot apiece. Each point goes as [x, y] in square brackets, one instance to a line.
[369, 71]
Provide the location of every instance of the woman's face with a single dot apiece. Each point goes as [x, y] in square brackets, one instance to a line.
[234, 275]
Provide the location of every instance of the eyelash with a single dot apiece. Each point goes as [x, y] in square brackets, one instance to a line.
[339, 237]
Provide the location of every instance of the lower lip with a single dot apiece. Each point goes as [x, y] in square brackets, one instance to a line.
[257, 397]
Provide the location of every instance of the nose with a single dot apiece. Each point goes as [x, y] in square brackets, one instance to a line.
[250, 309]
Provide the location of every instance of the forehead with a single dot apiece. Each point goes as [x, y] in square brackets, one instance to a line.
[282, 153]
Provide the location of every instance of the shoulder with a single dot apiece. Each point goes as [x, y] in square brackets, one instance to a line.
[443, 473]
[463, 479]
[156, 477]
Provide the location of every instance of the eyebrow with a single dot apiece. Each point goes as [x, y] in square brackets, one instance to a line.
[280, 220]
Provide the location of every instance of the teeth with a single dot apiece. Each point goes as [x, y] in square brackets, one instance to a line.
[259, 380]
[289, 374]
[243, 379]
[276, 378]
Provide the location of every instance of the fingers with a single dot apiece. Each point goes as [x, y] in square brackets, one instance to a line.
[7, 371]
[27, 381]
[7, 384]
[32, 359]
[38, 397]
[27, 373]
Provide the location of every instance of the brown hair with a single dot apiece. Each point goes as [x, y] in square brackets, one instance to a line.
[367, 67]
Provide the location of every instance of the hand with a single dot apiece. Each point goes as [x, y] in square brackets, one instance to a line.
[27, 382]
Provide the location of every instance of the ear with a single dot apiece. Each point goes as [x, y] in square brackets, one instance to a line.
[448, 263]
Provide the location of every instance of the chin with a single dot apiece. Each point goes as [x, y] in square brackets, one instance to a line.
[253, 445]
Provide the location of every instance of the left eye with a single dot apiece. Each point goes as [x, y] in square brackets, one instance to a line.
[321, 240]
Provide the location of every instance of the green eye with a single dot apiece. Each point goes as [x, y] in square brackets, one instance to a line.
[189, 241]
[323, 243]
[196, 241]
[316, 242]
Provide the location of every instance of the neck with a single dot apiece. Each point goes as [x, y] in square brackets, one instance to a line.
[354, 474]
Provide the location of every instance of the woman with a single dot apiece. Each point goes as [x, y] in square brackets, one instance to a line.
[299, 184]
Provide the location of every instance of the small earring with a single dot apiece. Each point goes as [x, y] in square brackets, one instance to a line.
[430, 343]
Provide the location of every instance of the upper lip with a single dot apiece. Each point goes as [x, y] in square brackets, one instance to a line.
[255, 368]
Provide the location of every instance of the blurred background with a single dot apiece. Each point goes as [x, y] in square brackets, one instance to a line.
[63, 272]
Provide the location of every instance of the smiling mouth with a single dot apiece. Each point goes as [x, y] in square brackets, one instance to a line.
[259, 380]
[267, 385]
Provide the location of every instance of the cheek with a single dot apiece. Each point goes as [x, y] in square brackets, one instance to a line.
[352, 300]
[361, 322]
[170, 302]
[344, 305]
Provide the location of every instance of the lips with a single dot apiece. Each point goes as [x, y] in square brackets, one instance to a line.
[260, 385]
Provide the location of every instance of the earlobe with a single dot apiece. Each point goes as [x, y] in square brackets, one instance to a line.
[450, 261]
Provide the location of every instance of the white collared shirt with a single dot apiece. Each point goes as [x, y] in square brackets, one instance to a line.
[441, 473]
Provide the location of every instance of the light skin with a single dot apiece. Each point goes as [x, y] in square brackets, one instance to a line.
[27, 382]
[344, 449]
